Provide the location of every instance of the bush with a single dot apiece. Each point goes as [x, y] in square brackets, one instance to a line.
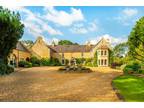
[35, 61]
[80, 60]
[128, 70]
[6, 69]
[55, 62]
[141, 71]
[88, 62]
[115, 64]
[132, 67]
[136, 66]
[25, 64]
[45, 62]
[3, 69]
[10, 69]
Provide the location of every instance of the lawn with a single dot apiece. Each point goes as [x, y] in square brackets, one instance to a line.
[130, 87]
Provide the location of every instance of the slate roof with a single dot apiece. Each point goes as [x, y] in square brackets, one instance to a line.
[71, 48]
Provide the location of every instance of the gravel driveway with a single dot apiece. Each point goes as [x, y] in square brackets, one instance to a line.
[48, 84]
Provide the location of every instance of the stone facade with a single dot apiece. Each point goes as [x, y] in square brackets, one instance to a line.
[62, 52]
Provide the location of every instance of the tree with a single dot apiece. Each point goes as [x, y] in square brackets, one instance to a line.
[66, 42]
[120, 53]
[11, 30]
[136, 41]
[120, 50]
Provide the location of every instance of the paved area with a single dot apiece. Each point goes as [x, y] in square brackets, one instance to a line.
[48, 84]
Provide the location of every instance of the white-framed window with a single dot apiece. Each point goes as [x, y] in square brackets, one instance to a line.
[101, 52]
[105, 52]
[102, 62]
[105, 62]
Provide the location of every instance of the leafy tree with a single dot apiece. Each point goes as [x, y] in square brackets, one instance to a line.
[11, 30]
[136, 41]
[120, 50]
[66, 42]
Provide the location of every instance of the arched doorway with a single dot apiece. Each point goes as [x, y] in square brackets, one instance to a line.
[13, 60]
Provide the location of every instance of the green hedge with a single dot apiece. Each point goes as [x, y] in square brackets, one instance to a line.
[25, 64]
[5, 69]
[132, 67]
[35, 61]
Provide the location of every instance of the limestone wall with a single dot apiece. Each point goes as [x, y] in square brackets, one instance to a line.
[41, 49]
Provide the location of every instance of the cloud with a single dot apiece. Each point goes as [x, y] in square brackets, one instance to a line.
[81, 28]
[34, 23]
[63, 18]
[113, 40]
[93, 26]
[127, 16]
[130, 12]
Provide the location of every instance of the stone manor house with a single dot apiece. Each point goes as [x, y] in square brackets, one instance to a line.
[62, 52]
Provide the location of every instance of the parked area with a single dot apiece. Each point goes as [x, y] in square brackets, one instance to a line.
[48, 84]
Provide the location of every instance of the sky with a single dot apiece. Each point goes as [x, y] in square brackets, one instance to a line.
[79, 24]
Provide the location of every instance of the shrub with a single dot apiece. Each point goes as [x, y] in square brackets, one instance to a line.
[25, 64]
[128, 70]
[10, 69]
[45, 62]
[54, 62]
[80, 60]
[115, 64]
[136, 66]
[3, 69]
[88, 62]
[141, 71]
[35, 61]
[132, 67]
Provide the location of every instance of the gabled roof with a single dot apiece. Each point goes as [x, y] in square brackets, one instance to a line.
[71, 48]
[103, 44]
[21, 47]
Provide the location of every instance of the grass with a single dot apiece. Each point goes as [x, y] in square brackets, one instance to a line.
[130, 87]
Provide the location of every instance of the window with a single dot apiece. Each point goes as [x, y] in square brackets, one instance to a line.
[105, 62]
[102, 62]
[105, 52]
[99, 62]
[102, 52]
[63, 61]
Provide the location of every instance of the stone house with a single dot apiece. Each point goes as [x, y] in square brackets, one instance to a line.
[62, 52]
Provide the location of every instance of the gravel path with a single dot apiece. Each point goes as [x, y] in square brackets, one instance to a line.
[48, 84]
